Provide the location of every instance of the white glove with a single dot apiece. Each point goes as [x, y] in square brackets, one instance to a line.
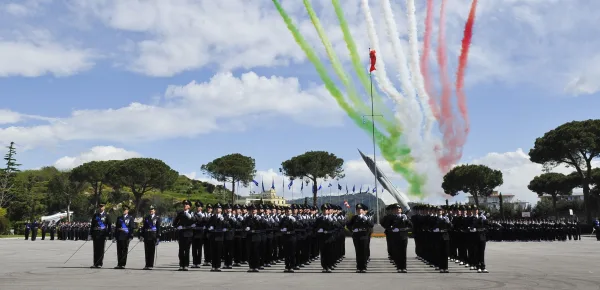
[436, 230]
[194, 225]
[284, 230]
[224, 230]
[320, 231]
[179, 227]
[355, 230]
[395, 230]
[211, 228]
[247, 228]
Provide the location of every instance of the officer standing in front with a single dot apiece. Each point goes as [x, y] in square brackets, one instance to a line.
[183, 222]
[361, 226]
[123, 234]
[34, 229]
[398, 224]
[100, 229]
[597, 229]
[287, 225]
[150, 231]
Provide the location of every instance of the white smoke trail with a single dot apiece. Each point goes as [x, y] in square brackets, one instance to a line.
[404, 77]
[417, 76]
[408, 113]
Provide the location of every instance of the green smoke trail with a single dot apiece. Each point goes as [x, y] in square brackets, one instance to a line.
[355, 57]
[335, 62]
[398, 157]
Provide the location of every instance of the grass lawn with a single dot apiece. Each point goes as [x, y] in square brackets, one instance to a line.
[12, 236]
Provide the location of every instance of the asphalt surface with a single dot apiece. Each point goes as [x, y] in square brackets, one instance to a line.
[512, 265]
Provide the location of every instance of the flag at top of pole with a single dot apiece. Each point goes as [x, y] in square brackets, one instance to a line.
[373, 60]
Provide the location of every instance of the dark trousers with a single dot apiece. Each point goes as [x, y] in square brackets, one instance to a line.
[443, 249]
[480, 254]
[228, 252]
[216, 245]
[98, 244]
[52, 235]
[398, 250]
[122, 249]
[149, 252]
[268, 253]
[184, 250]
[43, 234]
[361, 242]
[253, 250]
[238, 244]
[27, 234]
[197, 250]
[324, 251]
[207, 250]
[33, 234]
[289, 249]
[300, 241]
[598, 234]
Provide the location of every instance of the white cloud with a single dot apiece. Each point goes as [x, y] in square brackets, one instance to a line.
[97, 153]
[536, 42]
[37, 53]
[189, 110]
[9, 117]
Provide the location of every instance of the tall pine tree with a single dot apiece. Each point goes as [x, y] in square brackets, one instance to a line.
[7, 175]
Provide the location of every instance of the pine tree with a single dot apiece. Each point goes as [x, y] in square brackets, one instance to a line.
[7, 175]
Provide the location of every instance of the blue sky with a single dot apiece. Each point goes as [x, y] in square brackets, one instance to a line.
[189, 81]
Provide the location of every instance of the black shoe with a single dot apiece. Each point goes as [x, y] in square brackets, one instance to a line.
[227, 267]
[296, 268]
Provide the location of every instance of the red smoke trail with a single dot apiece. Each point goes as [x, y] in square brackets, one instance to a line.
[462, 65]
[446, 119]
[425, 60]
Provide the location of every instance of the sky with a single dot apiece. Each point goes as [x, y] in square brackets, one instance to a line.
[188, 81]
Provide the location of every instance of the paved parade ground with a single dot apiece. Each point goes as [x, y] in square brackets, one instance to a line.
[512, 265]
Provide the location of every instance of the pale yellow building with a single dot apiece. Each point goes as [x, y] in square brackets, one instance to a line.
[268, 197]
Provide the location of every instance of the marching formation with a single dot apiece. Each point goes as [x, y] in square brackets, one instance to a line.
[259, 236]
[226, 236]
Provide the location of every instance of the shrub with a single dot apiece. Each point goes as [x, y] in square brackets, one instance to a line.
[4, 225]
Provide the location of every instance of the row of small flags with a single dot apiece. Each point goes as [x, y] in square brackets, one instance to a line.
[339, 186]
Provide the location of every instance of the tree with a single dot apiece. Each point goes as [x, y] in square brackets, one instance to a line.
[313, 165]
[552, 184]
[142, 175]
[478, 180]
[63, 191]
[95, 173]
[7, 175]
[574, 144]
[231, 168]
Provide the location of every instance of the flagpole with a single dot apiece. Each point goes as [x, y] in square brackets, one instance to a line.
[374, 148]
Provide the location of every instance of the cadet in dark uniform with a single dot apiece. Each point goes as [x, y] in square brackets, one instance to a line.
[479, 228]
[27, 230]
[44, 229]
[442, 229]
[183, 222]
[397, 225]
[199, 235]
[253, 228]
[361, 226]
[151, 230]
[217, 226]
[124, 227]
[207, 237]
[52, 229]
[99, 230]
[287, 227]
[34, 229]
[228, 241]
